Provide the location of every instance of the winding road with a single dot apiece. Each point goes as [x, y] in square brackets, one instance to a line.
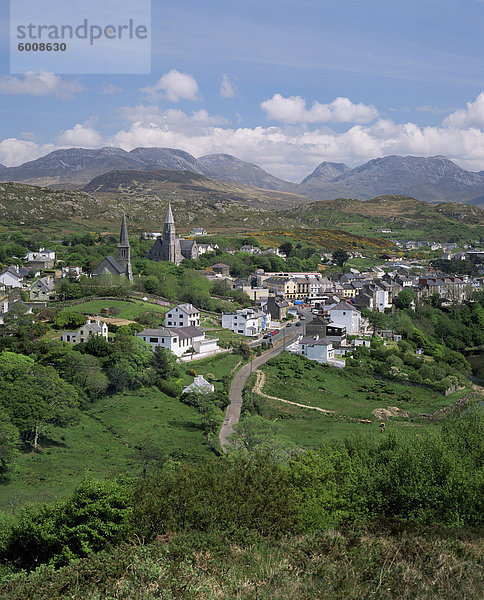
[232, 415]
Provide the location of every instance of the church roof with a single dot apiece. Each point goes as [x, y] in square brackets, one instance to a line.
[111, 264]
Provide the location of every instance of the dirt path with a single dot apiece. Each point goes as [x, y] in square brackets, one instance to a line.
[259, 384]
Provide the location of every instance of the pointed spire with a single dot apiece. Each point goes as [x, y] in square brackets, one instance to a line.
[169, 215]
[123, 235]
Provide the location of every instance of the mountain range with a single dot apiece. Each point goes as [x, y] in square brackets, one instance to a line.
[432, 179]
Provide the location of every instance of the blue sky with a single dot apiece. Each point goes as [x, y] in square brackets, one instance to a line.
[303, 81]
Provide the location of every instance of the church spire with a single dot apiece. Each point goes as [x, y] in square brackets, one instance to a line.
[124, 251]
[123, 235]
[169, 216]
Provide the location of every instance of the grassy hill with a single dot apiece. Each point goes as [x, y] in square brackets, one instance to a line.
[221, 206]
[405, 216]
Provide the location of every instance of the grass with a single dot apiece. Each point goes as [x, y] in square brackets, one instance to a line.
[226, 335]
[218, 365]
[351, 398]
[128, 310]
[385, 562]
[105, 442]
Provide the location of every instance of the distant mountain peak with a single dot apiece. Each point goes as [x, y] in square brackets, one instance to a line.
[326, 171]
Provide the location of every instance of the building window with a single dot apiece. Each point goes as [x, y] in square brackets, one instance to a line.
[153, 340]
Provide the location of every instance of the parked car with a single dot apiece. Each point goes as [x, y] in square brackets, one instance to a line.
[275, 331]
[298, 324]
[289, 325]
[303, 318]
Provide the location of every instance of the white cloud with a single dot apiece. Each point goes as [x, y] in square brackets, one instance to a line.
[173, 86]
[108, 89]
[169, 118]
[293, 110]
[43, 84]
[471, 116]
[288, 151]
[80, 136]
[227, 89]
[15, 152]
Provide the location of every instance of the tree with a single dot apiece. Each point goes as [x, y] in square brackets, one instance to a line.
[151, 284]
[286, 248]
[34, 396]
[405, 298]
[340, 257]
[9, 441]
[164, 362]
[69, 319]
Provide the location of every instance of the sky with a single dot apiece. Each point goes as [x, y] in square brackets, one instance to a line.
[283, 84]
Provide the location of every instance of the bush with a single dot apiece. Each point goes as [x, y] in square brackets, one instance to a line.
[172, 388]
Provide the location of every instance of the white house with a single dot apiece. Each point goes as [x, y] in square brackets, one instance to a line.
[71, 272]
[92, 327]
[199, 386]
[346, 315]
[179, 340]
[43, 258]
[316, 348]
[246, 321]
[183, 315]
[42, 254]
[10, 277]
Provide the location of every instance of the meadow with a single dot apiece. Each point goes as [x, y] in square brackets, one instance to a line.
[117, 434]
[349, 398]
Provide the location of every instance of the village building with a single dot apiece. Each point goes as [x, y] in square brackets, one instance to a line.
[42, 290]
[179, 340]
[277, 308]
[10, 277]
[171, 248]
[199, 386]
[346, 315]
[183, 315]
[247, 321]
[42, 259]
[316, 348]
[92, 327]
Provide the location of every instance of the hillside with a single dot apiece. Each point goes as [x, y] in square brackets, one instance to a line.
[216, 205]
[406, 217]
[165, 184]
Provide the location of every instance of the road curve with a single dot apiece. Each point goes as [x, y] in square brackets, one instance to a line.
[232, 415]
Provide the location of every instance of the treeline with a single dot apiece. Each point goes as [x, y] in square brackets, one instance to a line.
[437, 479]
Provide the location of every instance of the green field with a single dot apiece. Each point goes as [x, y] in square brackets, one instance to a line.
[110, 438]
[105, 442]
[128, 310]
[351, 398]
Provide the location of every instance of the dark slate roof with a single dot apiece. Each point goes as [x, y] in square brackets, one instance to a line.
[188, 308]
[159, 332]
[111, 264]
[343, 306]
[187, 332]
[310, 341]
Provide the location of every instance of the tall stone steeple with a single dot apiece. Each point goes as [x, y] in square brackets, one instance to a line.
[169, 243]
[124, 251]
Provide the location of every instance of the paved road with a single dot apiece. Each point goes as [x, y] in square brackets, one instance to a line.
[232, 415]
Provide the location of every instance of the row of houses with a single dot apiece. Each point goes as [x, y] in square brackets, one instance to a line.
[374, 289]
